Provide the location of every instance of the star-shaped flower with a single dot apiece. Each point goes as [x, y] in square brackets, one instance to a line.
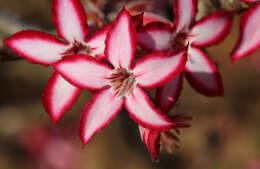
[122, 84]
[200, 71]
[249, 39]
[70, 20]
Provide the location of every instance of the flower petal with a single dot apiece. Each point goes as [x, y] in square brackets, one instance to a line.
[202, 73]
[142, 110]
[168, 94]
[184, 13]
[249, 40]
[37, 47]
[70, 20]
[151, 139]
[58, 97]
[98, 113]
[157, 69]
[155, 37]
[97, 42]
[83, 71]
[149, 17]
[212, 29]
[121, 41]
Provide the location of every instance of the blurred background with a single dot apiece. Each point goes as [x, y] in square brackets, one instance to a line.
[224, 132]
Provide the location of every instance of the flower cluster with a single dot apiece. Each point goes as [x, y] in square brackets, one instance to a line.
[107, 63]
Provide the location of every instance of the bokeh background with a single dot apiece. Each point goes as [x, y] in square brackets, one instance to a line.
[224, 133]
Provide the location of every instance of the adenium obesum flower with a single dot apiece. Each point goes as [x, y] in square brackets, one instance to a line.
[121, 84]
[200, 71]
[249, 39]
[70, 21]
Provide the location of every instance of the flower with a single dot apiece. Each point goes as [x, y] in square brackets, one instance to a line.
[249, 38]
[122, 84]
[70, 21]
[200, 71]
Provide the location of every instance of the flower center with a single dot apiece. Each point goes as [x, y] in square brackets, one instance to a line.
[180, 39]
[122, 81]
[78, 48]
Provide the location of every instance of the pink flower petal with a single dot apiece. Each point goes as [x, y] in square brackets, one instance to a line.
[249, 40]
[70, 20]
[151, 139]
[97, 42]
[212, 29]
[149, 17]
[155, 37]
[157, 69]
[168, 94]
[121, 41]
[58, 97]
[184, 13]
[37, 47]
[202, 73]
[98, 113]
[83, 71]
[145, 113]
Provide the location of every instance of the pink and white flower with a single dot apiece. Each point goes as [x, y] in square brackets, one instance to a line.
[200, 71]
[37, 47]
[249, 38]
[121, 84]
